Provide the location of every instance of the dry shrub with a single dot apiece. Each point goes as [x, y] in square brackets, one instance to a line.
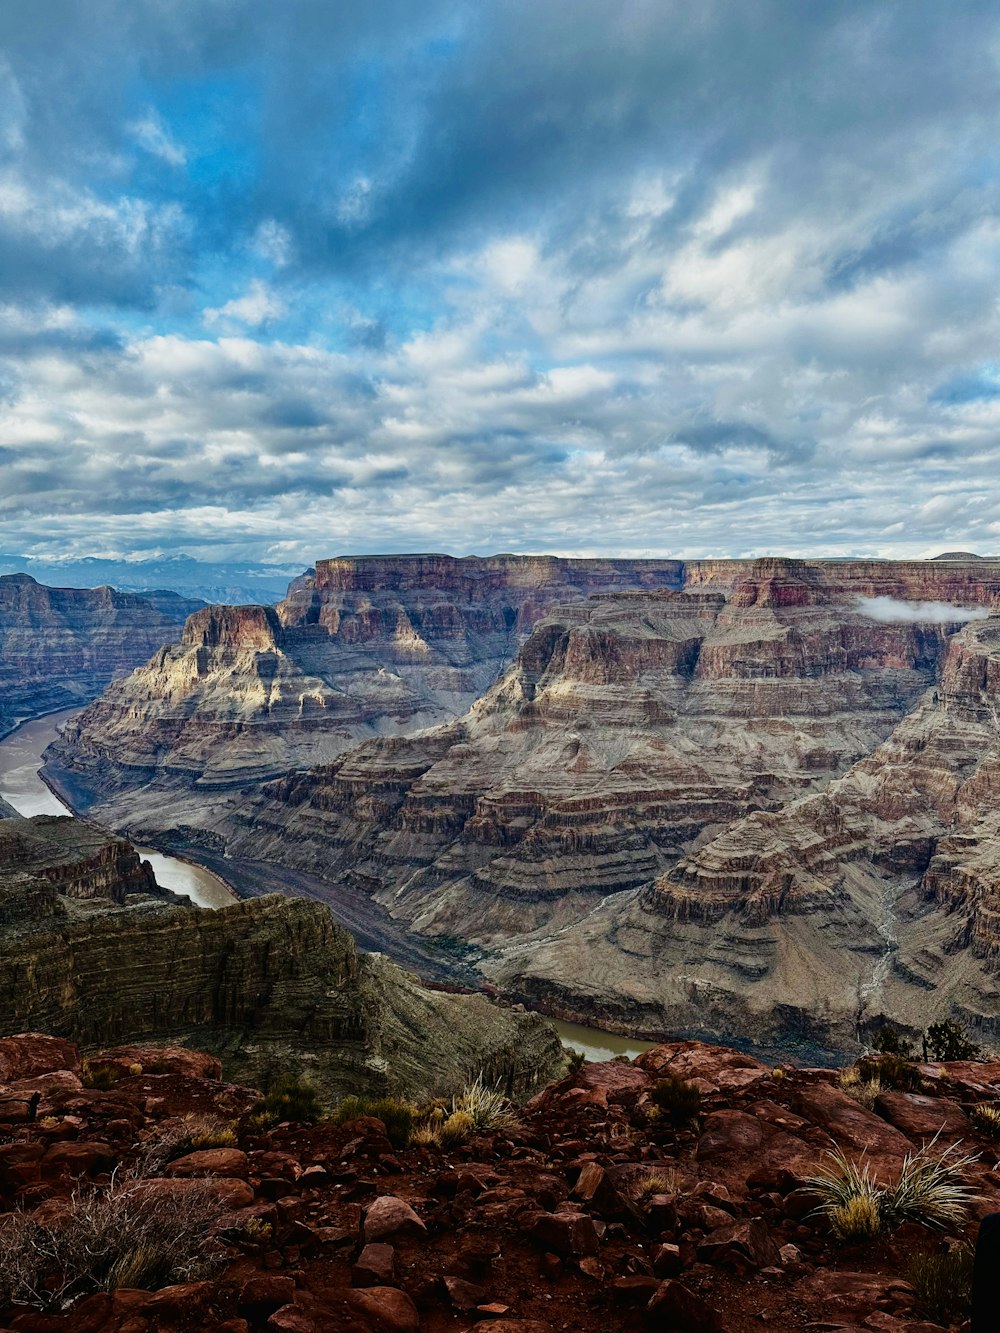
[928, 1190]
[119, 1235]
[942, 1283]
[986, 1118]
[656, 1181]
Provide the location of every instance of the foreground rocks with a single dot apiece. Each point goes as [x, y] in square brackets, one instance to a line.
[544, 1226]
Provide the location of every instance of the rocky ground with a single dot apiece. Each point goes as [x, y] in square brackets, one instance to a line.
[538, 1227]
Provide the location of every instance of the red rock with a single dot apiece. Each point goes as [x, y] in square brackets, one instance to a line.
[634, 1290]
[386, 1309]
[715, 1068]
[164, 1060]
[667, 1261]
[79, 1159]
[265, 1293]
[376, 1267]
[852, 1127]
[211, 1162]
[289, 1319]
[232, 1194]
[31, 1053]
[19, 1110]
[565, 1234]
[464, 1295]
[178, 1301]
[390, 1216]
[676, 1307]
[742, 1245]
[919, 1117]
[588, 1181]
[853, 1292]
[729, 1135]
[90, 1315]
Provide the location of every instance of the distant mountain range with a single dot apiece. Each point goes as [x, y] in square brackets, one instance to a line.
[233, 583]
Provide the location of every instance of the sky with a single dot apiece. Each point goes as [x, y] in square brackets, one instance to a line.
[282, 281]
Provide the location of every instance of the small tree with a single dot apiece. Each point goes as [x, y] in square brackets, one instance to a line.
[947, 1041]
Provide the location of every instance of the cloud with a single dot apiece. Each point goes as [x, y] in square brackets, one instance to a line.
[259, 305]
[651, 278]
[151, 134]
[890, 611]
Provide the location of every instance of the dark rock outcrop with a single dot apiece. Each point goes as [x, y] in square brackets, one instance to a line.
[91, 950]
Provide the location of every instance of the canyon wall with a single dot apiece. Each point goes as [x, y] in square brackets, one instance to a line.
[644, 819]
[92, 950]
[59, 647]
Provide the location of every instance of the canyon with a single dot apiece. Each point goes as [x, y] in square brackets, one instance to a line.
[60, 647]
[750, 799]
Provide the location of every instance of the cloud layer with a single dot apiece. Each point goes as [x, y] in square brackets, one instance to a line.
[281, 281]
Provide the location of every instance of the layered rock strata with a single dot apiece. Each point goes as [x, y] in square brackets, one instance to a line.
[666, 737]
[59, 647]
[368, 646]
[270, 983]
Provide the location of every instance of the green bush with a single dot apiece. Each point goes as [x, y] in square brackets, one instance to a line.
[986, 1118]
[397, 1116]
[947, 1041]
[288, 1098]
[675, 1100]
[942, 1284]
[890, 1041]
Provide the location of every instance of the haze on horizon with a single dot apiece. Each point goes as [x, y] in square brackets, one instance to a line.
[282, 281]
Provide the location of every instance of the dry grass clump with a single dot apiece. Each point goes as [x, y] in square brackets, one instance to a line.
[942, 1284]
[863, 1091]
[928, 1190]
[175, 1137]
[986, 1118]
[479, 1109]
[858, 1220]
[675, 1101]
[288, 1098]
[119, 1235]
[657, 1181]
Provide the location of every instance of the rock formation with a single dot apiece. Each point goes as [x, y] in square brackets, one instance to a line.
[669, 737]
[59, 647]
[367, 646]
[92, 950]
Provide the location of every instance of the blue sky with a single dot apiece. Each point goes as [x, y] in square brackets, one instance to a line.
[281, 281]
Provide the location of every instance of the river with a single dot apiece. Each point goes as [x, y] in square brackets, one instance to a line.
[20, 786]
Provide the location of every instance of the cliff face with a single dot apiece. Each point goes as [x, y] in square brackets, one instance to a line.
[59, 647]
[630, 727]
[370, 645]
[266, 982]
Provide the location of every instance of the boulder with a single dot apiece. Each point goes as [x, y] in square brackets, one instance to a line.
[385, 1309]
[31, 1053]
[920, 1117]
[211, 1162]
[390, 1216]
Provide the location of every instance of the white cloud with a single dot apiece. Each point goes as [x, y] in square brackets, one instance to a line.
[259, 305]
[150, 133]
